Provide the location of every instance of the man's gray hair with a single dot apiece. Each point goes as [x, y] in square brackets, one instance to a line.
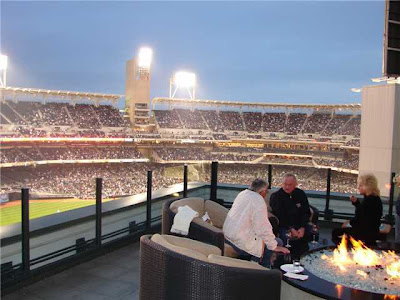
[290, 175]
[258, 185]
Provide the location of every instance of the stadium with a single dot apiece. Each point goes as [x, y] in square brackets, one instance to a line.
[58, 149]
[70, 160]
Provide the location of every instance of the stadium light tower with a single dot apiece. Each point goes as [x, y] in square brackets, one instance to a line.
[3, 70]
[183, 80]
[137, 88]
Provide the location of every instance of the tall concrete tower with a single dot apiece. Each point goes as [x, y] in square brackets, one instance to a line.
[137, 89]
[380, 133]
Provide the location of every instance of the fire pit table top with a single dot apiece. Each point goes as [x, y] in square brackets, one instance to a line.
[329, 290]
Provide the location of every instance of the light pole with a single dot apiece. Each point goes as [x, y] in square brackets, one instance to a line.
[183, 80]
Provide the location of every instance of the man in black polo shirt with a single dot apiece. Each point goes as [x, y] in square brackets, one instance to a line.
[290, 205]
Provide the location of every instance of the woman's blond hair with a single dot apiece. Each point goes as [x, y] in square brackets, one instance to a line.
[370, 181]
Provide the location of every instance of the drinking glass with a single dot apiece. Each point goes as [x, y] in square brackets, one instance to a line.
[296, 265]
[288, 236]
[314, 232]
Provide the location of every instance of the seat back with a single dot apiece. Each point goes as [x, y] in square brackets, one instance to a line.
[194, 203]
[216, 212]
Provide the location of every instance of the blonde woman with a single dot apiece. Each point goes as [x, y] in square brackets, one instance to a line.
[365, 224]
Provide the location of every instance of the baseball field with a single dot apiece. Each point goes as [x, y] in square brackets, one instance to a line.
[10, 212]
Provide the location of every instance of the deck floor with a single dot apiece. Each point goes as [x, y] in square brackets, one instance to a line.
[111, 276]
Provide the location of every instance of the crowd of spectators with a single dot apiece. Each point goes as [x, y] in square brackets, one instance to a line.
[232, 120]
[30, 131]
[95, 119]
[10, 114]
[130, 178]
[79, 180]
[253, 121]
[344, 160]
[11, 155]
[316, 122]
[84, 116]
[28, 110]
[184, 154]
[353, 143]
[71, 152]
[284, 159]
[192, 120]
[350, 162]
[61, 114]
[256, 122]
[352, 127]
[220, 137]
[308, 178]
[334, 125]
[213, 121]
[168, 119]
[109, 116]
[274, 122]
[55, 114]
[295, 123]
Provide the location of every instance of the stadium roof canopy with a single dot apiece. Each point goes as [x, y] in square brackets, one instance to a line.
[188, 102]
[16, 92]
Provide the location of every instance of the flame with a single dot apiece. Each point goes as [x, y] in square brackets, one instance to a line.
[363, 256]
[393, 269]
[341, 255]
[390, 297]
[362, 273]
[339, 289]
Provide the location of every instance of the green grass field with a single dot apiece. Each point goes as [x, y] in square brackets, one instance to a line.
[12, 214]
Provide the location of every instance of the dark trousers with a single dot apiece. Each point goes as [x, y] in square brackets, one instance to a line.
[265, 261]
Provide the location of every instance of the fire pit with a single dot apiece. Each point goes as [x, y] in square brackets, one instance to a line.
[361, 268]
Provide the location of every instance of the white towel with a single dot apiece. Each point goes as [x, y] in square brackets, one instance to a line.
[183, 219]
[296, 276]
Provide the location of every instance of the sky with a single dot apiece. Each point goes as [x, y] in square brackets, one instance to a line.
[273, 51]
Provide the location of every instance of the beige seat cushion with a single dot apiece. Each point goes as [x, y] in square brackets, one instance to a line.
[229, 251]
[216, 212]
[196, 204]
[233, 262]
[190, 244]
[206, 225]
[159, 239]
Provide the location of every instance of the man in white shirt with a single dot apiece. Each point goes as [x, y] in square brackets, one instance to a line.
[247, 227]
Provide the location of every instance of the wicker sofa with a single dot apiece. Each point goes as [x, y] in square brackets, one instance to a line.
[200, 230]
[180, 268]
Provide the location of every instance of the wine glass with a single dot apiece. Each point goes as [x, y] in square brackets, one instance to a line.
[288, 236]
[314, 232]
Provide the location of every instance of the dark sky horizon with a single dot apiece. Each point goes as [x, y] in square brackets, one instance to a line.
[293, 52]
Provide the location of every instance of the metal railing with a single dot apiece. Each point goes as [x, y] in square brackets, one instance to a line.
[12, 274]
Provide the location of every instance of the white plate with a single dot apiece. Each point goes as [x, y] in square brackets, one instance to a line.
[289, 268]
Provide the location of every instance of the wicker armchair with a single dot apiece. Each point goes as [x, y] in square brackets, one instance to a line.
[166, 273]
[198, 230]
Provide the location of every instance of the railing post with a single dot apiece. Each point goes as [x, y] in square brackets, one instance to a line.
[25, 230]
[269, 176]
[389, 217]
[214, 181]
[99, 186]
[148, 201]
[185, 180]
[328, 212]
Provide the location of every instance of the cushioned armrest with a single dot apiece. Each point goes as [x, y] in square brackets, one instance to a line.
[233, 262]
[203, 248]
